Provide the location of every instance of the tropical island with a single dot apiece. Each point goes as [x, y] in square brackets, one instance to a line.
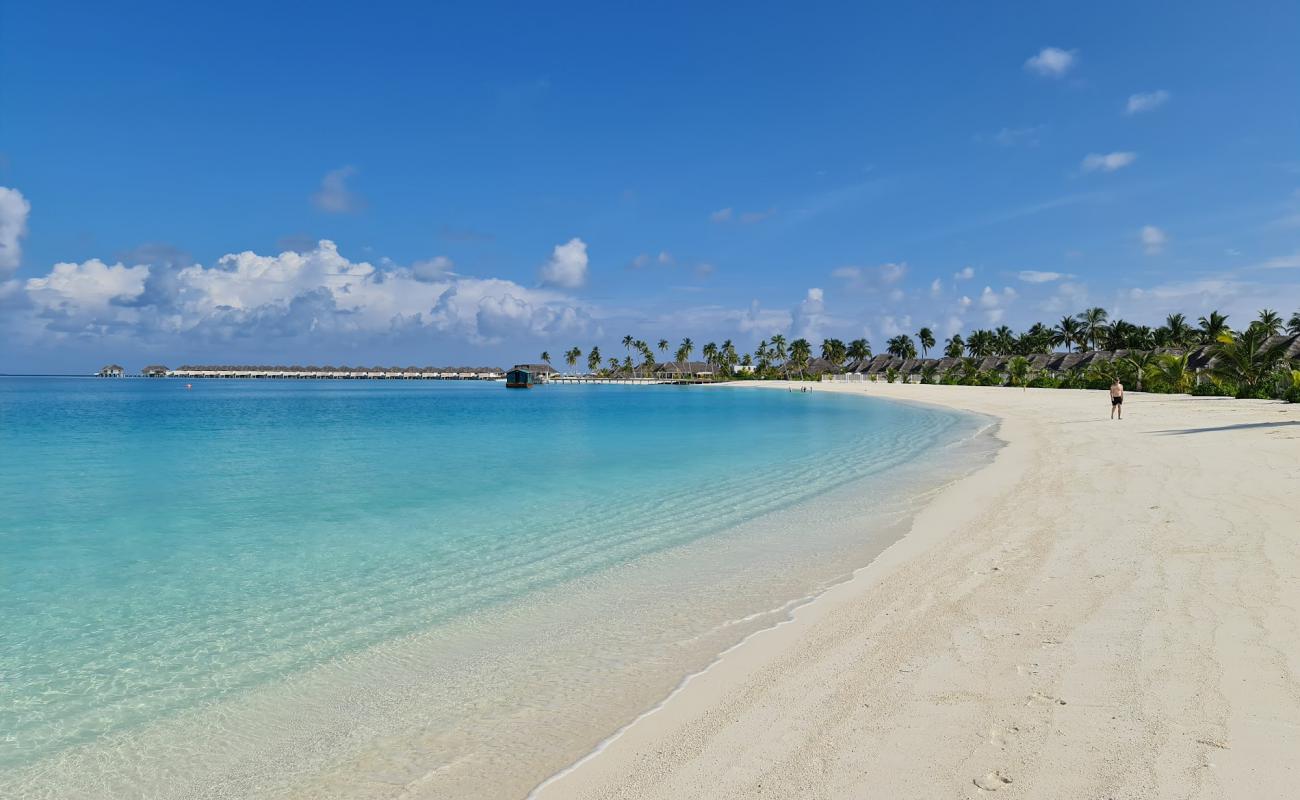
[1084, 351]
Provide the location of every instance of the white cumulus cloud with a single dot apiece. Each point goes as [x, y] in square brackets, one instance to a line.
[1052, 62]
[1037, 276]
[91, 286]
[892, 273]
[567, 268]
[1107, 162]
[1153, 240]
[964, 274]
[256, 298]
[431, 269]
[14, 209]
[334, 196]
[995, 303]
[1146, 101]
[810, 314]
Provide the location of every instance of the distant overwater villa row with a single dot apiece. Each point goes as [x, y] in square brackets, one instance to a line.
[671, 372]
[353, 373]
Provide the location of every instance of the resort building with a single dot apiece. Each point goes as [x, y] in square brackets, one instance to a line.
[683, 370]
[541, 372]
[1199, 359]
[111, 371]
[154, 371]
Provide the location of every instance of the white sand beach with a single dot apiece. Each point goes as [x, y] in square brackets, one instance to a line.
[1111, 609]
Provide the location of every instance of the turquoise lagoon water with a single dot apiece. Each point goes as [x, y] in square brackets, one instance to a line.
[365, 589]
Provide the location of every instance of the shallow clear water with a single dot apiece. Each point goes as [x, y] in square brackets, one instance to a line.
[308, 588]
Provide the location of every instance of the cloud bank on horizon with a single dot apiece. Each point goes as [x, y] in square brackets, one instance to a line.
[488, 218]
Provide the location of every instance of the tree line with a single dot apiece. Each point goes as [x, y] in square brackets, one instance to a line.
[1248, 363]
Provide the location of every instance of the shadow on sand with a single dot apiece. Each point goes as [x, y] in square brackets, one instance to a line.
[1243, 426]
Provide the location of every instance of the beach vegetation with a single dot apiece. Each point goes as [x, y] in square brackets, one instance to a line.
[1207, 359]
[1018, 372]
[1248, 360]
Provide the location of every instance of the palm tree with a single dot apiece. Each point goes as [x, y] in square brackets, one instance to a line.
[546, 356]
[593, 359]
[834, 351]
[1174, 372]
[1067, 332]
[1293, 324]
[1123, 334]
[684, 351]
[926, 337]
[710, 353]
[1038, 339]
[663, 345]
[1018, 372]
[647, 357]
[1177, 331]
[901, 346]
[1213, 326]
[800, 352]
[858, 350]
[1093, 321]
[627, 345]
[572, 355]
[641, 349]
[1270, 321]
[1004, 340]
[777, 351]
[1143, 363]
[728, 355]
[613, 364]
[954, 347]
[980, 343]
[1246, 359]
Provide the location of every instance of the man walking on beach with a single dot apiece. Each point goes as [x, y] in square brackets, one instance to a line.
[1117, 399]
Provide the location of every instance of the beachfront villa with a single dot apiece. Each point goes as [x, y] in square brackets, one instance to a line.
[111, 371]
[684, 370]
[915, 370]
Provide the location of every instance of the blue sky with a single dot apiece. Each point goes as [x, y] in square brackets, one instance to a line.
[496, 179]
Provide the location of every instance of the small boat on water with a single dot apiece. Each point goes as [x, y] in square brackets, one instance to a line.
[519, 379]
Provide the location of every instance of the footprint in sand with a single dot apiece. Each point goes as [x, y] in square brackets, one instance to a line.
[992, 781]
[999, 736]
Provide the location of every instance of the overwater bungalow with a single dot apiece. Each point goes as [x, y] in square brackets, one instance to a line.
[519, 377]
[154, 371]
[111, 371]
[541, 372]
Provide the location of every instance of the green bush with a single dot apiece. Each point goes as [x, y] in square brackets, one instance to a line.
[1211, 389]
